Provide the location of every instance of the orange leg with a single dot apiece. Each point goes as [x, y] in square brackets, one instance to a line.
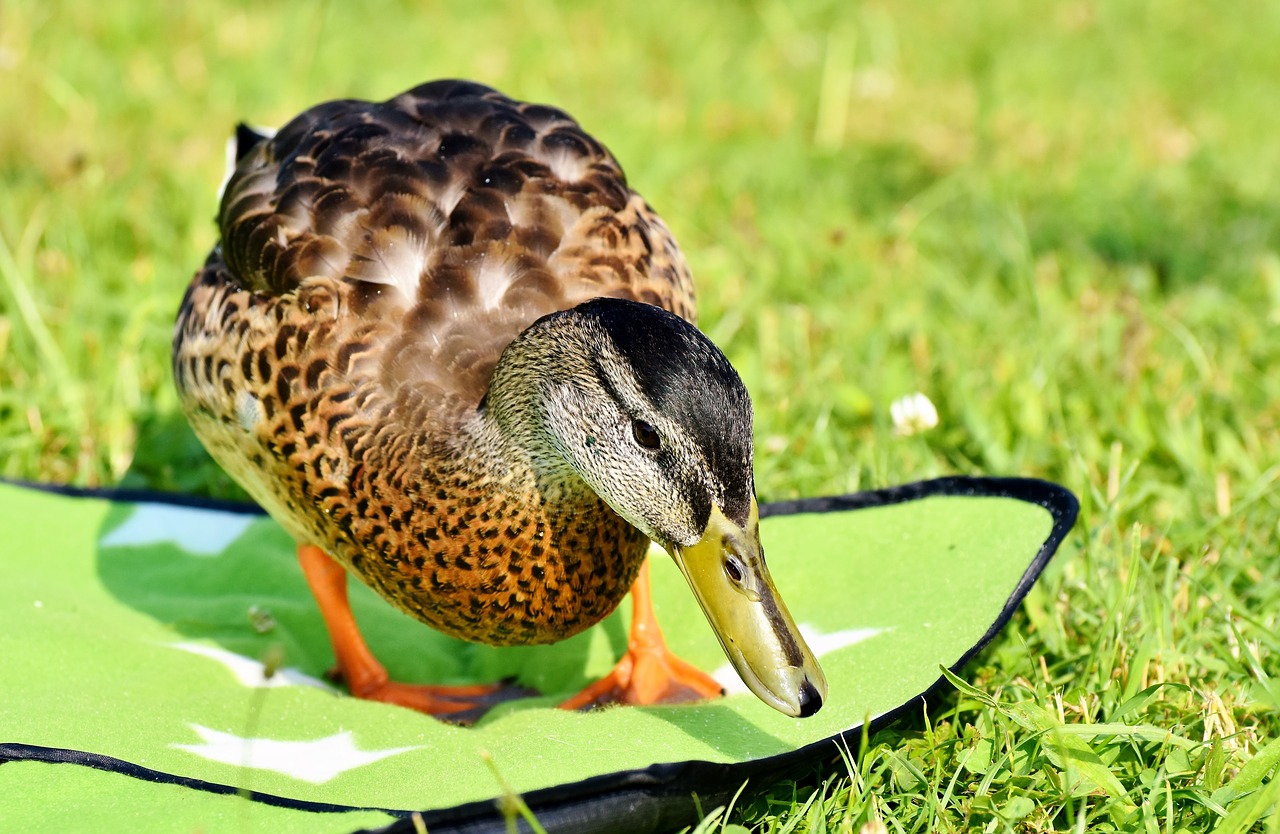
[648, 673]
[364, 675]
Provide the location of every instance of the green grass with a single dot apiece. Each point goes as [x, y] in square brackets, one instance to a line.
[1059, 221]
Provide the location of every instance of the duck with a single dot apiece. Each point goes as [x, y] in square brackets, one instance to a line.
[444, 344]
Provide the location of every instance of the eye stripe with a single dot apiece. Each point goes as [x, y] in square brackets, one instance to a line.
[602, 376]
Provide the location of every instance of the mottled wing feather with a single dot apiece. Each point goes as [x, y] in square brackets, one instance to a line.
[465, 214]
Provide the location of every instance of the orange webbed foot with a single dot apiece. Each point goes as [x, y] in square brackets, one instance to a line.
[647, 677]
[454, 704]
[366, 677]
[649, 673]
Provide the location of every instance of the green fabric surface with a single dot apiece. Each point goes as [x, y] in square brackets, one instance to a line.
[117, 640]
[41, 797]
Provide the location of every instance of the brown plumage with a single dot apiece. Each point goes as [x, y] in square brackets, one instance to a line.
[335, 355]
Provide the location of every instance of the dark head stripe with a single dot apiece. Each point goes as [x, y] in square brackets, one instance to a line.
[688, 380]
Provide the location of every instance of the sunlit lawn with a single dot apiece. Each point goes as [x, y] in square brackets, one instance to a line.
[1059, 221]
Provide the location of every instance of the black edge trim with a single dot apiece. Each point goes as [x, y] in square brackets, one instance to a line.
[669, 795]
[110, 764]
[140, 496]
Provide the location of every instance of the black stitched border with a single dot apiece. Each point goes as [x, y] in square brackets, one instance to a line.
[110, 764]
[660, 797]
[126, 495]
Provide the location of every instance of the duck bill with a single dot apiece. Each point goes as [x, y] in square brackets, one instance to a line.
[726, 570]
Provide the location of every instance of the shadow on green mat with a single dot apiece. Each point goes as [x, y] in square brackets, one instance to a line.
[893, 584]
[251, 599]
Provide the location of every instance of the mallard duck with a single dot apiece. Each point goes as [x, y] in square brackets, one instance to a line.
[446, 346]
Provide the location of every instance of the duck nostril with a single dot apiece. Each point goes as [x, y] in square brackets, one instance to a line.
[733, 568]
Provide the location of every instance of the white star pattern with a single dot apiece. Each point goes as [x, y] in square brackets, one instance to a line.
[821, 644]
[250, 672]
[200, 532]
[315, 761]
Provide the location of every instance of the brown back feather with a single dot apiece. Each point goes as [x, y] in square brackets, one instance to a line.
[458, 212]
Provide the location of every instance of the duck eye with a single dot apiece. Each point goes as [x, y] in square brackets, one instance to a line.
[645, 434]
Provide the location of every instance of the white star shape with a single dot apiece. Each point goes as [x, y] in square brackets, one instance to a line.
[200, 532]
[315, 761]
[820, 644]
[250, 672]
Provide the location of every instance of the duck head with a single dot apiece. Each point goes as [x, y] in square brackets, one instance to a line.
[653, 418]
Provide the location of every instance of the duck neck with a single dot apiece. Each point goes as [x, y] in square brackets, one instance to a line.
[525, 378]
[518, 453]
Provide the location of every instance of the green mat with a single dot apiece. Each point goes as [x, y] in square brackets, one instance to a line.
[134, 629]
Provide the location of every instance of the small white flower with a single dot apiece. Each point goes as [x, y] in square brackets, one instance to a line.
[913, 414]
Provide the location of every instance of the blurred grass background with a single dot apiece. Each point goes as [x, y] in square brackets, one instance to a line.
[1059, 220]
